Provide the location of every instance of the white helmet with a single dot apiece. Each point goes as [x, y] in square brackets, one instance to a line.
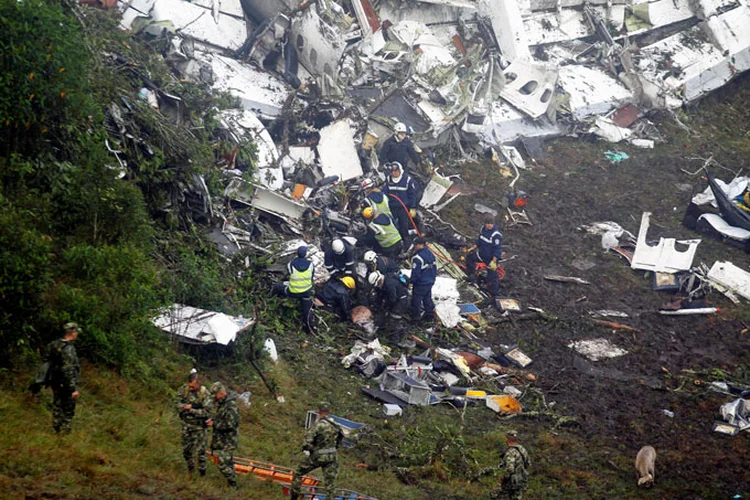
[400, 127]
[337, 246]
[374, 278]
[370, 256]
[367, 183]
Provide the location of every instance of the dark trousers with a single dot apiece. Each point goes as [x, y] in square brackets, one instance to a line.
[305, 309]
[471, 264]
[392, 251]
[63, 410]
[402, 221]
[421, 295]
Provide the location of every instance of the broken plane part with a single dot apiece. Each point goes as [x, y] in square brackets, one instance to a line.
[663, 257]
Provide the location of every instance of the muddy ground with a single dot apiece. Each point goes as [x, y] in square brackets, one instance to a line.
[620, 401]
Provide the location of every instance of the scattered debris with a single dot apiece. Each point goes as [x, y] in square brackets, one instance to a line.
[596, 349]
[663, 257]
[199, 326]
[567, 279]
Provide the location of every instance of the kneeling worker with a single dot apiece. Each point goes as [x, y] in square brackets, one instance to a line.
[391, 293]
[336, 295]
[384, 232]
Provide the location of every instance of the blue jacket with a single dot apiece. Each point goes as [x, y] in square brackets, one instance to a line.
[386, 266]
[343, 263]
[489, 244]
[423, 268]
[401, 152]
[405, 189]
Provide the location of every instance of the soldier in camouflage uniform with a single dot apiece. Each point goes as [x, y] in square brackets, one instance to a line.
[64, 377]
[514, 466]
[226, 424]
[194, 408]
[321, 450]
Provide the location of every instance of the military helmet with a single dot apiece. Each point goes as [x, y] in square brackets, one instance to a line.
[216, 388]
[71, 327]
[511, 433]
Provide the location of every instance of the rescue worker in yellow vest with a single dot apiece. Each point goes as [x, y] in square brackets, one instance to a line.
[383, 232]
[301, 273]
[375, 198]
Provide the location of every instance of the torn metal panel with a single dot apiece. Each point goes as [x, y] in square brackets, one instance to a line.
[605, 128]
[426, 13]
[505, 124]
[537, 5]
[649, 15]
[338, 152]
[707, 8]
[721, 226]
[508, 25]
[731, 277]
[199, 326]
[569, 24]
[260, 92]
[529, 86]
[433, 53]
[228, 7]
[366, 16]
[592, 91]
[435, 190]
[264, 199]
[695, 67]
[244, 124]
[319, 45]
[730, 31]
[663, 257]
[406, 388]
[197, 22]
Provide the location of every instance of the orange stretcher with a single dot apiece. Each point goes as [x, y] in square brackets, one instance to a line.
[283, 476]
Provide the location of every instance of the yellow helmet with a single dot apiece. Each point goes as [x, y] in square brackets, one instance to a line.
[349, 282]
[368, 213]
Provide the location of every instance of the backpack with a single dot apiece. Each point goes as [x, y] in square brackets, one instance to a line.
[42, 378]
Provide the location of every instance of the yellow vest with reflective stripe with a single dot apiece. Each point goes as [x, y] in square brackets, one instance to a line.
[387, 235]
[300, 281]
[382, 207]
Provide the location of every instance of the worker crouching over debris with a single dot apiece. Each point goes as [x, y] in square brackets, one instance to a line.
[383, 265]
[339, 258]
[337, 295]
[300, 286]
[423, 275]
[488, 249]
[382, 233]
[390, 294]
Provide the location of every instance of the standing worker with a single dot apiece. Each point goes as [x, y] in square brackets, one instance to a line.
[301, 274]
[514, 465]
[194, 409]
[399, 148]
[339, 258]
[384, 232]
[64, 376]
[489, 248]
[402, 198]
[423, 274]
[322, 441]
[226, 424]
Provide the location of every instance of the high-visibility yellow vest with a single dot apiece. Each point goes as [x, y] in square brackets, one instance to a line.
[382, 207]
[386, 235]
[300, 281]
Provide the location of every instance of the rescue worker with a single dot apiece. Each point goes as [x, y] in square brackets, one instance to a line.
[301, 273]
[339, 258]
[64, 377]
[423, 274]
[514, 465]
[402, 198]
[391, 293]
[379, 263]
[383, 231]
[194, 408]
[489, 248]
[226, 424]
[337, 295]
[399, 148]
[322, 441]
[375, 198]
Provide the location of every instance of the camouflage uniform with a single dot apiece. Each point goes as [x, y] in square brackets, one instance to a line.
[226, 435]
[322, 441]
[514, 465]
[65, 375]
[194, 429]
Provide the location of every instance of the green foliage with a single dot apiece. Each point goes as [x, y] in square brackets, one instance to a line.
[24, 275]
[43, 75]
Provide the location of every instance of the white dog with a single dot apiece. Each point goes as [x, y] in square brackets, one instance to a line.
[644, 464]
